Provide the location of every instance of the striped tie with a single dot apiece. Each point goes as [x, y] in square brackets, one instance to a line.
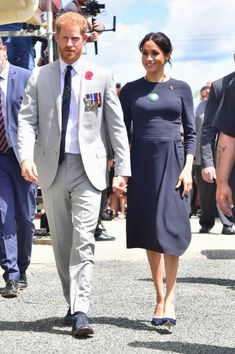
[3, 140]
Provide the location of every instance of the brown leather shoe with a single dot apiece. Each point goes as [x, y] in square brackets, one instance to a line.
[81, 326]
[11, 289]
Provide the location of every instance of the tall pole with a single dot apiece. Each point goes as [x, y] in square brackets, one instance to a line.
[50, 32]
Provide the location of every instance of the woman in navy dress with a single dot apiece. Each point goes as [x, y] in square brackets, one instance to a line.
[156, 108]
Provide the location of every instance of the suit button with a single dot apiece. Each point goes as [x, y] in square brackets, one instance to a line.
[57, 151]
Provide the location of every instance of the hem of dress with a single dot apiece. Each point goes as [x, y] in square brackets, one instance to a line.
[154, 250]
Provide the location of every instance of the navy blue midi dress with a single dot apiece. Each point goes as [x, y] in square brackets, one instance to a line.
[155, 114]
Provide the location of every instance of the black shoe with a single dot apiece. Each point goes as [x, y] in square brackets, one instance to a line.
[81, 326]
[99, 228]
[103, 236]
[68, 318]
[204, 230]
[228, 230]
[23, 283]
[11, 289]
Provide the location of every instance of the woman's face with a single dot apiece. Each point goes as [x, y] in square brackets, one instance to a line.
[153, 57]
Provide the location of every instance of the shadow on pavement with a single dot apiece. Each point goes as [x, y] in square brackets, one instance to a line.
[51, 324]
[44, 325]
[219, 254]
[176, 347]
[212, 233]
[124, 322]
[230, 283]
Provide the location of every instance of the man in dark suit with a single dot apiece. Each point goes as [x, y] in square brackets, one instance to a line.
[208, 142]
[225, 160]
[17, 196]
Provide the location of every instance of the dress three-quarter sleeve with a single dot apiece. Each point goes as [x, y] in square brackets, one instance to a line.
[188, 120]
[126, 107]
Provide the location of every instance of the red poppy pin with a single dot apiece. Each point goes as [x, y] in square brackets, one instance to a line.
[88, 75]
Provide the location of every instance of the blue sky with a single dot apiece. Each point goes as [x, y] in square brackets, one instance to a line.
[202, 33]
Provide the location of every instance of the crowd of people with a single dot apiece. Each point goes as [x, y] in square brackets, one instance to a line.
[93, 146]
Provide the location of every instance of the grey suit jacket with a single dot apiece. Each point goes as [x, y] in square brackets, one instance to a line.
[209, 131]
[40, 119]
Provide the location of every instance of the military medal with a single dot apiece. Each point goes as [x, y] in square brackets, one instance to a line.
[153, 97]
[92, 101]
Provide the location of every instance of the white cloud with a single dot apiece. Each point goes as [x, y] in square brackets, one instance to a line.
[203, 35]
[201, 28]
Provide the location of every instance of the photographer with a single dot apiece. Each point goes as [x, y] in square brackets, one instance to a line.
[95, 27]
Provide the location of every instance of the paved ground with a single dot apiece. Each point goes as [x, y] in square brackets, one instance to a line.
[123, 301]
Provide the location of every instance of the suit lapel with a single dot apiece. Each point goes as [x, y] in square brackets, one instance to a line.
[10, 88]
[55, 80]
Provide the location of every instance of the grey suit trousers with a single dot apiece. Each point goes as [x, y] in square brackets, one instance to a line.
[72, 205]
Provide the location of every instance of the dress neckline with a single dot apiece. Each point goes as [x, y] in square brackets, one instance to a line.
[156, 83]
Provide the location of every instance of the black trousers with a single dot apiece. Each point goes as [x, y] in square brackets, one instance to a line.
[209, 210]
[103, 203]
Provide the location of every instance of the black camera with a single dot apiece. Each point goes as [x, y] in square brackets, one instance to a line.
[92, 8]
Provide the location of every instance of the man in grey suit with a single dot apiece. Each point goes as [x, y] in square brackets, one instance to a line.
[17, 196]
[70, 159]
[208, 143]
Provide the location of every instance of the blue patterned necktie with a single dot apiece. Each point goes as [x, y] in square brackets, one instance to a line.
[65, 111]
[3, 139]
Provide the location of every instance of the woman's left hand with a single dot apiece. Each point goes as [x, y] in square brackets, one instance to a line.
[185, 179]
[119, 185]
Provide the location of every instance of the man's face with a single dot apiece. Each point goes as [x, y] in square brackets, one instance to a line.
[3, 57]
[70, 43]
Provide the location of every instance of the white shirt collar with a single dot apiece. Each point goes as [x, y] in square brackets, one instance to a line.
[77, 65]
[4, 73]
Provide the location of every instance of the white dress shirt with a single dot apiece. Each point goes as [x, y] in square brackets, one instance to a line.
[3, 85]
[71, 139]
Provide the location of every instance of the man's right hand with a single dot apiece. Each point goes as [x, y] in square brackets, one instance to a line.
[208, 174]
[29, 171]
[224, 198]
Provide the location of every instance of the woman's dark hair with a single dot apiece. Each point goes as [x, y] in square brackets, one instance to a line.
[161, 40]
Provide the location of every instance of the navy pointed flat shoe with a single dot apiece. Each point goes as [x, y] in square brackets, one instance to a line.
[169, 322]
[156, 321]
